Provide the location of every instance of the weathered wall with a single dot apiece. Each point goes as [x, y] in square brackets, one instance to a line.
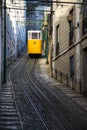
[61, 62]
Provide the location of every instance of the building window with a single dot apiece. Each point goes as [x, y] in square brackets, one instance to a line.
[57, 40]
[84, 22]
[71, 33]
[84, 9]
[84, 29]
[71, 66]
[58, 3]
[12, 1]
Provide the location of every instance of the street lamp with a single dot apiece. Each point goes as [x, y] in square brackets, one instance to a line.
[4, 71]
[46, 38]
[46, 44]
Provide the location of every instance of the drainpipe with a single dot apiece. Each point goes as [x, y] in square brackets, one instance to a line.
[47, 45]
[4, 75]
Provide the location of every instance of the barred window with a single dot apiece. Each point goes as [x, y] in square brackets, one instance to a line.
[84, 9]
[84, 22]
[58, 3]
[57, 40]
[72, 66]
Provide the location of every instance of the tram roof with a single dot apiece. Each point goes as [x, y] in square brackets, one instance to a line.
[34, 30]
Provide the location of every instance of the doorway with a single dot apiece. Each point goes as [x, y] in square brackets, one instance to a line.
[84, 72]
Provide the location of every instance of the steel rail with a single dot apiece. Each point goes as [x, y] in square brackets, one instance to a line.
[58, 107]
[30, 76]
[31, 81]
[29, 100]
[72, 117]
[36, 90]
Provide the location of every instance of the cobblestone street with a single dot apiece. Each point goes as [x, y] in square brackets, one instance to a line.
[79, 99]
[32, 100]
[43, 65]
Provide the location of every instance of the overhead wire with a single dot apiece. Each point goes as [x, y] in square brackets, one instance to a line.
[12, 6]
[25, 7]
[65, 2]
[20, 8]
[15, 6]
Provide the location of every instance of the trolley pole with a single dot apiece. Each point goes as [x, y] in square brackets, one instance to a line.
[4, 69]
[47, 46]
[47, 41]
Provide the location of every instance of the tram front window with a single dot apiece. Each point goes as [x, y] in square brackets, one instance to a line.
[34, 36]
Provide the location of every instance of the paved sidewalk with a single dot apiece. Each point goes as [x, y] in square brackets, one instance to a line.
[79, 99]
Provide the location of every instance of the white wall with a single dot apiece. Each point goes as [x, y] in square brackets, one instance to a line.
[16, 38]
[78, 63]
[20, 30]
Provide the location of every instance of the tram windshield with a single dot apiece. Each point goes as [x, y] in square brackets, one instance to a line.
[34, 35]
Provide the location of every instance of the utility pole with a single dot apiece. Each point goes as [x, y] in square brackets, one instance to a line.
[47, 39]
[47, 44]
[4, 75]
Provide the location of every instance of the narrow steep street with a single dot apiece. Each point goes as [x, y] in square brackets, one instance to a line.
[40, 102]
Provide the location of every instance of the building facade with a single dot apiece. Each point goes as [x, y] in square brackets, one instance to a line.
[21, 27]
[15, 32]
[16, 28]
[84, 48]
[69, 44]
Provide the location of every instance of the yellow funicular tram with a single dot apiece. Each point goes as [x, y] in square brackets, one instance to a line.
[34, 43]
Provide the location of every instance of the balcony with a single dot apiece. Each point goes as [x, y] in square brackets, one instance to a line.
[71, 34]
[84, 27]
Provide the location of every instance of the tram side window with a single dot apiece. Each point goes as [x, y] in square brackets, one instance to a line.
[29, 35]
[39, 36]
[34, 35]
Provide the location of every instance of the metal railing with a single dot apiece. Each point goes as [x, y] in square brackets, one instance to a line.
[64, 78]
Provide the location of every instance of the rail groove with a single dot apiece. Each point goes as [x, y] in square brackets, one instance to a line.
[42, 103]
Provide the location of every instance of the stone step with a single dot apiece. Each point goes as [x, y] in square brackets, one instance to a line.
[8, 114]
[7, 110]
[9, 118]
[11, 123]
[6, 98]
[6, 92]
[7, 106]
[6, 101]
[6, 88]
[9, 127]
